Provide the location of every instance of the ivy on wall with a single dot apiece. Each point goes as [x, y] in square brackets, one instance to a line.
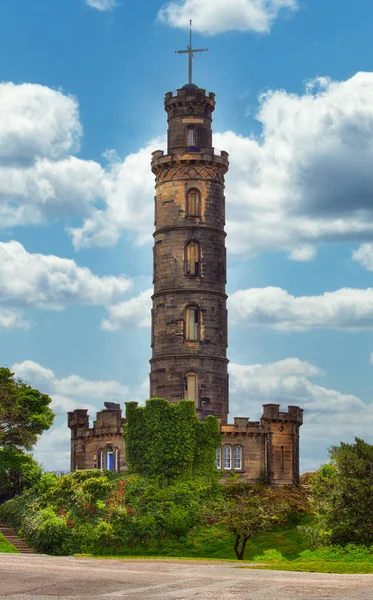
[169, 440]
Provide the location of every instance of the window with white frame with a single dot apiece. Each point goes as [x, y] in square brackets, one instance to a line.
[227, 457]
[218, 458]
[238, 457]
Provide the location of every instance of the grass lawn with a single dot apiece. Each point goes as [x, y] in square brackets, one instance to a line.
[5, 546]
[278, 549]
[319, 561]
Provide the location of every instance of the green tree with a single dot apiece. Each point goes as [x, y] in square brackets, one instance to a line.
[247, 514]
[24, 415]
[24, 412]
[343, 493]
[169, 441]
[18, 471]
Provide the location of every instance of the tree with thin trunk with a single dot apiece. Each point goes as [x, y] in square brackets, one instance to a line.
[247, 514]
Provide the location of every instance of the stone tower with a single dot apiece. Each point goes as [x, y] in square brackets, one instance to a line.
[189, 316]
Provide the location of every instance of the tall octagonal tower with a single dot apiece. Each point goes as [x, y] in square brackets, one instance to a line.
[189, 315]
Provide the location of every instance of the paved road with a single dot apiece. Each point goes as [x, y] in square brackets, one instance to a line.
[46, 578]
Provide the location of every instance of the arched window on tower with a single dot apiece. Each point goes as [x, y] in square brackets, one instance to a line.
[192, 258]
[191, 137]
[192, 318]
[191, 387]
[193, 207]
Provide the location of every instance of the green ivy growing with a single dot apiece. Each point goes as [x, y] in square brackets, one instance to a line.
[168, 440]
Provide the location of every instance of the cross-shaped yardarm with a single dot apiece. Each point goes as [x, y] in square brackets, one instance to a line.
[191, 52]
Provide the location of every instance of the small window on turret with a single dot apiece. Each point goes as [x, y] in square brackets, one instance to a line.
[193, 203]
[191, 137]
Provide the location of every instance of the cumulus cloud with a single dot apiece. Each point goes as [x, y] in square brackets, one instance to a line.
[134, 312]
[128, 189]
[302, 253]
[37, 121]
[47, 281]
[218, 16]
[348, 309]
[40, 179]
[13, 319]
[308, 178]
[364, 256]
[330, 416]
[69, 387]
[102, 4]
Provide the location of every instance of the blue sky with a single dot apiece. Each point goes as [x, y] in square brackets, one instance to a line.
[81, 110]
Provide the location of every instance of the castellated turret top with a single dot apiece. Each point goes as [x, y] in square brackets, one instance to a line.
[189, 111]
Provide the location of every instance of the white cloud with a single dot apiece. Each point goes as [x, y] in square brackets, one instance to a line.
[302, 253]
[68, 392]
[53, 449]
[349, 309]
[12, 319]
[218, 16]
[47, 281]
[39, 178]
[37, 121]
[128, 190]
[102, 4]
[134, 312]
[330, 416]
[364, 256]
[308, 178]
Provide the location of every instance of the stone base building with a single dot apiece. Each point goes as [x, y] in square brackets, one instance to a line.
[250, 448]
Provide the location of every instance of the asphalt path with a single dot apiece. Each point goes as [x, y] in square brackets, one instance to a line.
[41, 577]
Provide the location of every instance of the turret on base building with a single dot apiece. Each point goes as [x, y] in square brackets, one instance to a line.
[100, 446]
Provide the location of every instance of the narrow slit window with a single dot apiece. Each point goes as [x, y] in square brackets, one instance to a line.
[227, 457]
[218, 458]
[282, 458]
[192, 323]
[192, 258]
[238, 457]
[191, 136]
[193, 204]
[191, 391]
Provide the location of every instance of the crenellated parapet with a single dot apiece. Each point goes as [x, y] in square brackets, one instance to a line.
[100, 446]
[269, 447]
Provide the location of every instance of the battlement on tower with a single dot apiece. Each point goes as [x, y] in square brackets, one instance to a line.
[191, 93]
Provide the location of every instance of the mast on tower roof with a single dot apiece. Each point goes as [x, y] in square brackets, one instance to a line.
[191, 52]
